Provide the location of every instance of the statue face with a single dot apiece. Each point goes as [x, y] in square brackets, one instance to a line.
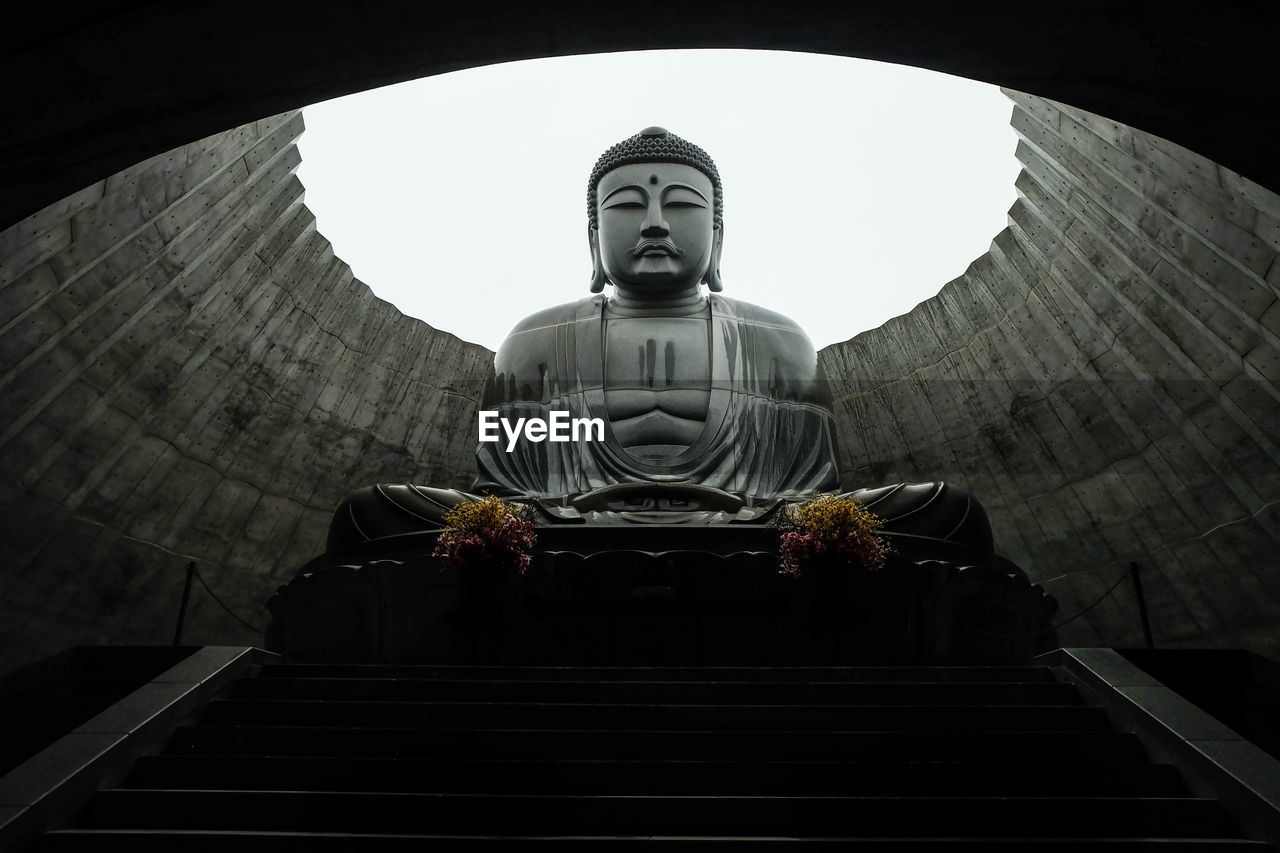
[656, 227]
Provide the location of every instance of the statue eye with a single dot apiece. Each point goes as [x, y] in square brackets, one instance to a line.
[681, 197]
[625, 199]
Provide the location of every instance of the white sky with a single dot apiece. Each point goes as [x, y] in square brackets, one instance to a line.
[853, 189]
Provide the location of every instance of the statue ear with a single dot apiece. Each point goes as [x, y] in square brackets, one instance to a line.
[713, 271]
[597, 268]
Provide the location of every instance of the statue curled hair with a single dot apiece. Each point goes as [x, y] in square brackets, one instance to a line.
[654, 145]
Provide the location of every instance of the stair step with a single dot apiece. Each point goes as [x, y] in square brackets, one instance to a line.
[665, 815]
[561, 744]
[953, 718]
[664, 673]
[195, 841]
[788, 778]
[672, 692]
[353, 757]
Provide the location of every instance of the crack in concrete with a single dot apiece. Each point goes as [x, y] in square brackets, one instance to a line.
[1167, 545]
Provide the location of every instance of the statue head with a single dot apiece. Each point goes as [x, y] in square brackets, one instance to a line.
[655, 207]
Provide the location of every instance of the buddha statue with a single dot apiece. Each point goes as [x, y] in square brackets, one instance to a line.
[699, 408]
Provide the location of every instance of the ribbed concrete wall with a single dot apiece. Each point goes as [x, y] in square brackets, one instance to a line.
[1105, 380]
[189, 373]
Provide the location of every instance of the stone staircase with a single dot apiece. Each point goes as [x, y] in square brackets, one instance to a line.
[347, 757]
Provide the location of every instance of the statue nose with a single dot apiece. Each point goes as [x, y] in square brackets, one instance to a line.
[654, 225]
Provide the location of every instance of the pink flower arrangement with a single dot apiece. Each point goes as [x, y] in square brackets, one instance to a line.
[488, 532]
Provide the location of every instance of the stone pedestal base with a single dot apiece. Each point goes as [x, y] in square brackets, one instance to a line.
[660, 608]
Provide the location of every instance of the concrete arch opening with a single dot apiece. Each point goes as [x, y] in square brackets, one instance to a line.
[191, 374]
[832, 202]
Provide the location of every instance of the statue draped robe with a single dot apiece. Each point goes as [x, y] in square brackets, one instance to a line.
[769, 430]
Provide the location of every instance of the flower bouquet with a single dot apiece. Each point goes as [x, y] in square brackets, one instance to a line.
[489, 533]
[829, 530]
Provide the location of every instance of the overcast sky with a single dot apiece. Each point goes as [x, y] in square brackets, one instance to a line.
[853, 189]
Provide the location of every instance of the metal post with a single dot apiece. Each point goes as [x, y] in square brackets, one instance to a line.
[182, 610]
[1136, 571]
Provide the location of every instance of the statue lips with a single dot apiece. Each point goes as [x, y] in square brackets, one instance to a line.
[656, 247]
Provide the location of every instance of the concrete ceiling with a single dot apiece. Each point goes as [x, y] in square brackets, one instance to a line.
[93, 92]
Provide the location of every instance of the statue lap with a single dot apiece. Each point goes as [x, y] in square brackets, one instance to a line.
[380, 513]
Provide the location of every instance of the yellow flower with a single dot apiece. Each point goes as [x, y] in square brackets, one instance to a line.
[482, 515]
[487, 531]
[829, 526]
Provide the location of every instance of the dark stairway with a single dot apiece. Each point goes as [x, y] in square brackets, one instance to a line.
[324, 758]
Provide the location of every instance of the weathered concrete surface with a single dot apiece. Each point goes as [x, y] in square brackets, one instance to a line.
[190, 374]
[1104, 378]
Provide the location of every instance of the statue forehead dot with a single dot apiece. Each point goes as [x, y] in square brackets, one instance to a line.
[653, 179]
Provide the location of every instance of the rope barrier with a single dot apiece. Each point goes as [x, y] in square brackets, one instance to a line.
[189, 557]
[223, 605]
[1099, 600]
[1055, 625]
[1164, 547]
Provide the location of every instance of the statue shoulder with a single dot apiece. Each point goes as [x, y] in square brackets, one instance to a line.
[758, 315]
[529, 351]
[779, 342]
[531, 337]
[549, 318]
[783, 335]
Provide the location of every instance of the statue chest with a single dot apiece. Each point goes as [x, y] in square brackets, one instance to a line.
[657, 381]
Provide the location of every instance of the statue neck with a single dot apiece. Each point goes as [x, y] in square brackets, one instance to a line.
[681, 303]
